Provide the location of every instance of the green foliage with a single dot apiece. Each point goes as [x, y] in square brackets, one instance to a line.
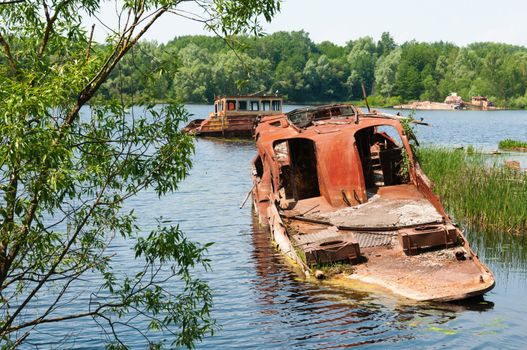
[323, 75]
[385, 73]
[484, 195]
[334, 269]
[361, 60]
[514, 145]
[66, 170]
[404, 171]
[190, 68]
[409, 131]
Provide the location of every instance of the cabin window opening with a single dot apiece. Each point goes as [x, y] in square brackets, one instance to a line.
[281, 152]
[242, 105]
[258, 167]
[381, 153]
[231, 105]
[298, 171]
[266, 105]
[255, 106]
[216, 109]
[286, 187]
[281, 156]
[277, 105]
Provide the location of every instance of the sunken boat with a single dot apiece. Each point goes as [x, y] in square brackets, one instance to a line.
[346, 200]
[235, 116]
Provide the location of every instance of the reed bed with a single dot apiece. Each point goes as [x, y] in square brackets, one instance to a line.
[482, 195]
[513, 145]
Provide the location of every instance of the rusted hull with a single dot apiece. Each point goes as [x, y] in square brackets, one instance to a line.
[439, 273]
[227, 127]
[235, 134]
[332, 195]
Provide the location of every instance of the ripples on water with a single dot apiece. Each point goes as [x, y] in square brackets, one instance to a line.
[261, 303]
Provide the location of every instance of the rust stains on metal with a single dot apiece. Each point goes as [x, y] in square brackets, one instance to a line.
[336, 184]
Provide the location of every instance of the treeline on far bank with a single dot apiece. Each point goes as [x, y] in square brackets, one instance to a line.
[196, 68]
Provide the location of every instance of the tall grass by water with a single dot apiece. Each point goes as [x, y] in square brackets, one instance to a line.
[481, 194]
[513, 145]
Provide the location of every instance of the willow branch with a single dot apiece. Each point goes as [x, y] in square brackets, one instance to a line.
[125, 44]
[91, 88]
[7, 324]
[50, 21]
[7, 51]
[96, 312]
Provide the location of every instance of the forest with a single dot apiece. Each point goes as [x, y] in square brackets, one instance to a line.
[194, 69]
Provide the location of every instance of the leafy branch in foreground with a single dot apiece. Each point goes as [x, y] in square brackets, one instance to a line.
[66, 171]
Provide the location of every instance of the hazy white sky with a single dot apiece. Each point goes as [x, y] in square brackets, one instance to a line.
[460, 22]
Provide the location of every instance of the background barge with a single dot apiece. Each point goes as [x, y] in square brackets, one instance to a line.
[235, 116]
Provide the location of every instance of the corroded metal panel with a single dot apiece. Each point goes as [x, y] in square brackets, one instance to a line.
[345, 250]
[417, 239]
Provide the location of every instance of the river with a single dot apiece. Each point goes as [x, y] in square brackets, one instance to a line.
[261, 304]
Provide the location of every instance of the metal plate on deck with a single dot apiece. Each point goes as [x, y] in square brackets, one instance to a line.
[374, 239]
[364, 239]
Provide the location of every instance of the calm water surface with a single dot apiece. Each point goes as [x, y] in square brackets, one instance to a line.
[261, 304]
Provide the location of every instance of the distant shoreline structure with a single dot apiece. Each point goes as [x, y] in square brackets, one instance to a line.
[429, 105]
[452, 102]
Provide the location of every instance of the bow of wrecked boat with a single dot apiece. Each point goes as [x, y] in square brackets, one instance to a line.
[345, 198]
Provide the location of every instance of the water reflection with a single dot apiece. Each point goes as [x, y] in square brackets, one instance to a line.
[314, 315]
[500, 248]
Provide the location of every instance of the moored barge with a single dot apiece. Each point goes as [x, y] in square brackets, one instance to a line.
[235, 116]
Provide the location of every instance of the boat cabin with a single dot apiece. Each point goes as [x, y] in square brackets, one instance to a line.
[481, 102]
[247, 105]
[342, 162]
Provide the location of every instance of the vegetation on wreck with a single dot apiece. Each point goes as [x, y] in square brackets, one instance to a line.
[513, 145]
[482, 195]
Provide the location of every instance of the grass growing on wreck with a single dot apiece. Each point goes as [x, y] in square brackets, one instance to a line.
[334, 269]
[487, 197]
[513, 145]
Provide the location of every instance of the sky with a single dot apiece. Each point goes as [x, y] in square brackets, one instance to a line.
[460, 22]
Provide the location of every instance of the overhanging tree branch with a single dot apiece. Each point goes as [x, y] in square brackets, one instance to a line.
[43, 175]
[7, 52]
[11, 2]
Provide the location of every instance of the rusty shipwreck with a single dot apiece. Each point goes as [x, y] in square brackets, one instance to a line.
[235, 116]
[346, 201]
